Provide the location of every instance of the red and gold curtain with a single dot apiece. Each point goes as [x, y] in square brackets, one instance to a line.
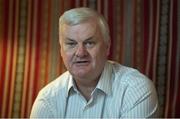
[145, 34]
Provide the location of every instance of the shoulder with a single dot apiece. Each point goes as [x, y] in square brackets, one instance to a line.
[135, 90]
[47, 102]
[56, 87]
[135, 84]
[129, 76]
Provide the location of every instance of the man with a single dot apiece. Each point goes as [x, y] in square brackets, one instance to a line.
[93, 87]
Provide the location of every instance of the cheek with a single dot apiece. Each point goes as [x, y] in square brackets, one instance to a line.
[67, 57]
[99, 53]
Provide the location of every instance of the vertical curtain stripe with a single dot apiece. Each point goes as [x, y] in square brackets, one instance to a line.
[117, 31]
[20, 59]
[85, 3]
[77, 3]
[110, 22]
[136, 38]
[128, 20]
[177, 110]
[57, 61]
[14, 59]
[170, 107]
[40, 45]
[169, 72]
[138, 59]
[174, 24]
[57, 10]
[105, 11]
[36, 48]
[169, 68]
[148, 35]
[120, 32]
[48, 53]
[134, 33]
[35, 30]
[72, 3]
[41, 48]
[3, 54]
[162, 48]
[61, 6]
[8, 63]
[156, 37]
[145, 31]
[99, 6]
[27, 58]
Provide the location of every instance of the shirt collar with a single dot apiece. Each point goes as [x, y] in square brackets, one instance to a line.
[70, 84]
[104, 84]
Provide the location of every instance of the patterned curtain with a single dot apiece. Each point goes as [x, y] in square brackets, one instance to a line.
[145, 34]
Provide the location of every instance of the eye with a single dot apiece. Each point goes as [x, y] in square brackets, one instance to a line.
[89, 44]
[71, 44]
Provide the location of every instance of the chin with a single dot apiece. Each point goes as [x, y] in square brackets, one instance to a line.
[80, 74]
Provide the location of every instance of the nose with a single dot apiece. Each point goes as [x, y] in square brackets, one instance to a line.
[81, 51]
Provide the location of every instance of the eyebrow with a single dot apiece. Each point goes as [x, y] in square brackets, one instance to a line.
[70, 39]
[88, 39]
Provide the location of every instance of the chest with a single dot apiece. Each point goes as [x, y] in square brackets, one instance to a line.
[99, 106]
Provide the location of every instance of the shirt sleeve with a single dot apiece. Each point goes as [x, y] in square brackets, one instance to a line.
[140, 101]
[41, 109]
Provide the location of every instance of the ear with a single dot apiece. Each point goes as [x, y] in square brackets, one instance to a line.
[60, 48]
[108, 48]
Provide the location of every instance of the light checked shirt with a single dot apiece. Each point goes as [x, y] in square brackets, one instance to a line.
[121, 92]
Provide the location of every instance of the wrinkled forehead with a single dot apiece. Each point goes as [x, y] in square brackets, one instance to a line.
[81, 31]
[77, 22]
[86, 25]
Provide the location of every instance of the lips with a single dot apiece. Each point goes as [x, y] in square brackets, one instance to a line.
[82, 62]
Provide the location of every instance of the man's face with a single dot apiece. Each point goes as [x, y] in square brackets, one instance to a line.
[83, 50]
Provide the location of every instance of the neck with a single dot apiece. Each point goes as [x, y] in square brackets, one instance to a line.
[86, 86]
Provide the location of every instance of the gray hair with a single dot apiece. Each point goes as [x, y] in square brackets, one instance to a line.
[78, 15]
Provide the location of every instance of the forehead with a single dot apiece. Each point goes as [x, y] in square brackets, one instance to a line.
[86, 28]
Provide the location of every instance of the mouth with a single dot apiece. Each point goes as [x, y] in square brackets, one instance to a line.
[82, 62]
